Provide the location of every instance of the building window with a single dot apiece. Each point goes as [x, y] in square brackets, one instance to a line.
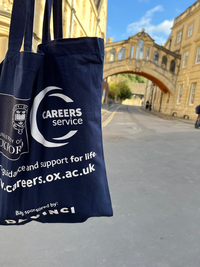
[140, 47]
[198, 55]
[178, 37]
[185, 57]
[164, 62]
[172, 66]
[132, 51]
[192, 93]
[180, 94]
[147, 53]
[155, 58]
[112, 55]
[190, 29]
[121, 54]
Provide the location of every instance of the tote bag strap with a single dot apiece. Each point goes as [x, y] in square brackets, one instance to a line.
[29, 27]
[19, 18]
[57, 20]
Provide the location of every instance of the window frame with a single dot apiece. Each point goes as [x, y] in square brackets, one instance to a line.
[111, 54]
[122, 54]
[185, 59]
[197, 55]
[164, 63]
[132, 51]
[178, 38]
[139, 51]
[156, 61]
[192, 93]
[147, 53]
[190, 30]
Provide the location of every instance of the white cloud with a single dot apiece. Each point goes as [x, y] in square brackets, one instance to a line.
[159, 39]
[145, 22]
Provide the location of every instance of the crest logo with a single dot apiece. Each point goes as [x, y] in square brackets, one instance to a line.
[19, 117]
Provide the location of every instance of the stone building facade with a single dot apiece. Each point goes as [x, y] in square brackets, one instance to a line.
[80, 18]
[185, 41]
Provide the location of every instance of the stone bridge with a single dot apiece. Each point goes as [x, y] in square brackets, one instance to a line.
[140, 55]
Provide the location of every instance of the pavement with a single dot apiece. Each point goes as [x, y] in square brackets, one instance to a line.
[106, 107]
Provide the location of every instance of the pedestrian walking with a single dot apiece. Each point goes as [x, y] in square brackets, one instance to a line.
[150, 106]
[147, 104]
[197, 123]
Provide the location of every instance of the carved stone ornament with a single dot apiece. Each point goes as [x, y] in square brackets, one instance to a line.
[7, 5]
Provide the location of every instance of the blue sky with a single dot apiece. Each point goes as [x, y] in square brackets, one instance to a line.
[127, 17]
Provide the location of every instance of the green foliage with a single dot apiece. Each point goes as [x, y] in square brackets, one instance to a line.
[120, 89]
[111, 95]
[125, 91]
[113, 86]
[133, 78]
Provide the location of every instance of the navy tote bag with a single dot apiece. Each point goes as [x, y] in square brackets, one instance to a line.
[52, 163]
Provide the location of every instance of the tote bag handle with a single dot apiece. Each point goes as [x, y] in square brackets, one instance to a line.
[21, 24]
[29, 27]
[57, 20]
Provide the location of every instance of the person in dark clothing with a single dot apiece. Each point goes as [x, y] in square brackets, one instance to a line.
[147, 104]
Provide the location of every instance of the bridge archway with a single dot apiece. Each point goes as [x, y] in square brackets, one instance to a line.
[154, 63]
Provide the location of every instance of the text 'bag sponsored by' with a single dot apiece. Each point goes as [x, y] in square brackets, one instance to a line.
[51, 157]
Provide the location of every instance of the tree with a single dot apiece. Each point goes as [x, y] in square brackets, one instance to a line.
[113, 86]
[111, 95]
[133, 78]
[125, 91]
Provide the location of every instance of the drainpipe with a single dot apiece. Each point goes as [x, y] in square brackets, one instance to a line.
[72, 19]
[98, 22]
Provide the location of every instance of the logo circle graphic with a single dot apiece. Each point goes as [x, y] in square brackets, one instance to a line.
[36, 134]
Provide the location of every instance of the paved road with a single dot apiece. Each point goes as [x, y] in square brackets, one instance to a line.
[153, 172]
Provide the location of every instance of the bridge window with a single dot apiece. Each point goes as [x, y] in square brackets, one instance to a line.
[172, 66]
[121, 54]
[155, 58]
[164, 62]
[180, 94]
[140, 48]
[132, 51]
[112, 55]
[147, 53]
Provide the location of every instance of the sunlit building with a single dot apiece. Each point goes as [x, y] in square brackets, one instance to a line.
[80, 18]
[184, 40]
